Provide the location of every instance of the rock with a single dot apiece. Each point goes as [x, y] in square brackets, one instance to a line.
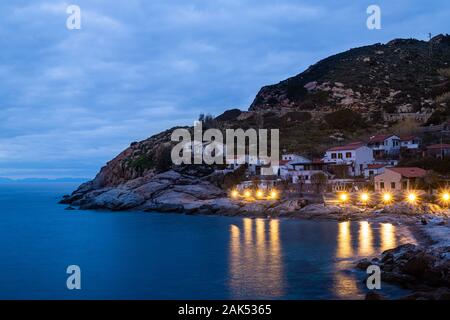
[424, 270]
[320, 209]
[418, 264]
[202, 191]
[363, 264]
[70, 208]
[114, 199]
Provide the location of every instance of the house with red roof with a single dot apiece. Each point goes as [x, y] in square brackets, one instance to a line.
[374, 169]
[356, 156]
[440, 151]
[399, 179]
[410, 142]
[384, 145]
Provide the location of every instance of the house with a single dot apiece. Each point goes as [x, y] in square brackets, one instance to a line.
[303, 171]
[399, 179]
[373, 170]
[410, 142]
[386, 162]
[293, 157]
[439, 151]
[356, 156]
[384, 145]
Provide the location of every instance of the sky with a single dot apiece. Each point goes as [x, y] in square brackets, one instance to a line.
[70, 100]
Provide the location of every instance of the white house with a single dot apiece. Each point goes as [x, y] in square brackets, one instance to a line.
[303, 171]
[410, 142]
[293, 157]
[384, 145]
[355, 155]
[373, 170]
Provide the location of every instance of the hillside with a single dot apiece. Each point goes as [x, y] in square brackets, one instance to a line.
[352, 95]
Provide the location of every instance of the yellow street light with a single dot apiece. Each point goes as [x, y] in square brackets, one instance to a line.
[445, 197]
[387, 197]
[274, 194]
[364, 197]
[412, 197]
[259, 194]
[247, 193]
[343, 197]
[234, 193]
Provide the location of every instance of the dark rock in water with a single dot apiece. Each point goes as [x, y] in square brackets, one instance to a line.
[70, 208]
[424, 221]
[372, 295]
[363, 264]
[426, 271]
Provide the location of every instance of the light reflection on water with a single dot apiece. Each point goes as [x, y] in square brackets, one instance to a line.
[256, 265]
[259, 268]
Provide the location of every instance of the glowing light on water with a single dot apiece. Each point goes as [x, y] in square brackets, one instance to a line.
[387, 234]
[344, 248]
[365, 239]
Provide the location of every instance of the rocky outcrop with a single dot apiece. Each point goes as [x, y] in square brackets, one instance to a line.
[392, 78]
[173, 191]
[425, 271]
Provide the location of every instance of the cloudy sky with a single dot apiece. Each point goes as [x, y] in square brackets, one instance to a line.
[70, 100]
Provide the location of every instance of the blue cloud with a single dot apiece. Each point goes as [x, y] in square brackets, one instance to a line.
[71, 100]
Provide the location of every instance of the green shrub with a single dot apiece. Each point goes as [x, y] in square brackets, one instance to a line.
[344, 119]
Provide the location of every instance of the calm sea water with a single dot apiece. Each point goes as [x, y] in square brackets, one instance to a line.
[171, 256]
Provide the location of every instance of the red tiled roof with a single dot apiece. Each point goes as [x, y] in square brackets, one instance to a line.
[439, 146]
[379, 138]
[375, 166]
[407, 138]
[350, 146]
[409, 172]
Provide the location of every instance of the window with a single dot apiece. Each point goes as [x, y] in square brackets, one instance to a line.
[348, 155]
[371, 173]
[392, 185]
[381, 185]
[340, 155]
[333, 156]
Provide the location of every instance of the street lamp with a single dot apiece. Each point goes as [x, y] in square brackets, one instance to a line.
[343, 197]
[387, 197]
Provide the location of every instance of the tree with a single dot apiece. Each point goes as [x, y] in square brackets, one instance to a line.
[344, 119]
[208, 121]
[319, 180]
